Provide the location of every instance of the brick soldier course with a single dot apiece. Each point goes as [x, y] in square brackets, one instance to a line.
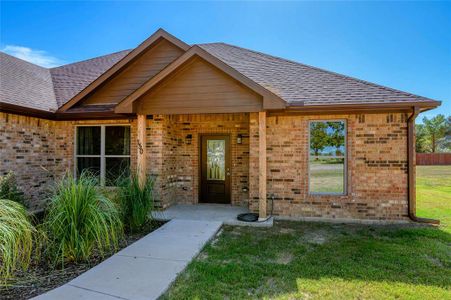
[226, 92]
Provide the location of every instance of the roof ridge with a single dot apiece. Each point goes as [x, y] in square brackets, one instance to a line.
[92, 58]
[347, 77]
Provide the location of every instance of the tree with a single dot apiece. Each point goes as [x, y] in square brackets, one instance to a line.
[448, 126]
[421, 141]
[318, 137]
[337, 137]
[435, 129]
[444, 144]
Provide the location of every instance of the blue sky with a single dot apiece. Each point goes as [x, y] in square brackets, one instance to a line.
[405, 45]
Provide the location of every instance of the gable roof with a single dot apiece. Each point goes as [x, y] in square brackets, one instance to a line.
[71, 79]
[26, 85]
[122, 63]
[301, 84]
[270, 100]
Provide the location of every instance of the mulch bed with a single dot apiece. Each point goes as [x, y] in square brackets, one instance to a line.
[40, 277]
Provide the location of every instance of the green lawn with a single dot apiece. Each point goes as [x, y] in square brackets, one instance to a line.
[434, 194]
[300, 260]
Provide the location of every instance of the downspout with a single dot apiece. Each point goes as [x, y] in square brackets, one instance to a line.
[411, 192]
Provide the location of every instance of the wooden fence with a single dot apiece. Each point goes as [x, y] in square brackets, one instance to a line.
[427, 159]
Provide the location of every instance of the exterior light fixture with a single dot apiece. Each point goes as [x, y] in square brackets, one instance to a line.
[188, 139]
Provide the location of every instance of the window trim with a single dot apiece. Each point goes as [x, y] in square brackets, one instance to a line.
[102, 154]
[345, 166]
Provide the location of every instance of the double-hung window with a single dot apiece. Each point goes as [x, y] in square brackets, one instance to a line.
[104, 151]
[327, 157]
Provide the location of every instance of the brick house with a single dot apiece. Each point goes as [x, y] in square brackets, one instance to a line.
[215, 123]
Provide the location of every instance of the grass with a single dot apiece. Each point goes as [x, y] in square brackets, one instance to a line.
[16, 236]
[80, 221]
[434, 194]
[299, 260]
[135, 202]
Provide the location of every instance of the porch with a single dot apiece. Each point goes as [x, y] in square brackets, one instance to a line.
[172, 149]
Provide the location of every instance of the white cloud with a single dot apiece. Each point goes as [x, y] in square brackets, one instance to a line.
[37, 57]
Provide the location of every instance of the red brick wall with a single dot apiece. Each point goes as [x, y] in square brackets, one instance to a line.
[376, 177]
[174, 158]
[39, 151]
[36, 150]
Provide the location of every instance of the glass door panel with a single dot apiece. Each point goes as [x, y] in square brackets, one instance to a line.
[216, 160]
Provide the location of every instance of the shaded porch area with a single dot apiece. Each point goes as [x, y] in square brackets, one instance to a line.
[227, 214]
[173, 149]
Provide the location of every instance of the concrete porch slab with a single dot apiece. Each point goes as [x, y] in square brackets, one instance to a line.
[208, 212]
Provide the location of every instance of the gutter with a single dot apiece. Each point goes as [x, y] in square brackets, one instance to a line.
[411, 195]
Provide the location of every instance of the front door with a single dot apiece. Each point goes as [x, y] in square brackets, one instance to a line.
[215, 169]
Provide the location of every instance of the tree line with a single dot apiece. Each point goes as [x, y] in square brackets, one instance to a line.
[434, 135]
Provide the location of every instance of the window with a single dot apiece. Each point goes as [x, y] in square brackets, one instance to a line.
[104, 151]
[327, 157]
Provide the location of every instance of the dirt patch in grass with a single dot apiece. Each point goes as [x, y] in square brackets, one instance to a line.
[270, 284]
[284, 258]
[286, 230]
[435, 261]
[203, 256]
[317, 237]
[41, 278]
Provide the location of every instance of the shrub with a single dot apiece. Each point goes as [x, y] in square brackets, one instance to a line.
[135, 202]
[9, 189]
[16, 238]
[80, 221]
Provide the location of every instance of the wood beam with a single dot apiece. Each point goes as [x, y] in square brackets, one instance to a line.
[141, 148]
[262, 165]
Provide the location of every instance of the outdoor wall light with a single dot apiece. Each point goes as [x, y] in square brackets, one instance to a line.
[239, 139]
[188, 139]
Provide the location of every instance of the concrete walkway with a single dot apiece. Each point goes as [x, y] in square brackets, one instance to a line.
[143, 270]
[224, 213]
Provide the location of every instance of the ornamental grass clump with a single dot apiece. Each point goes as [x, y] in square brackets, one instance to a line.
[16, 238]
[81, 221]
[9, 188]
[136, 202]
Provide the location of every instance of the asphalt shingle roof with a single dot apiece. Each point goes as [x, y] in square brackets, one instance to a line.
[297, 83]
[69, 80]
[25, 84]
[28, 85]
